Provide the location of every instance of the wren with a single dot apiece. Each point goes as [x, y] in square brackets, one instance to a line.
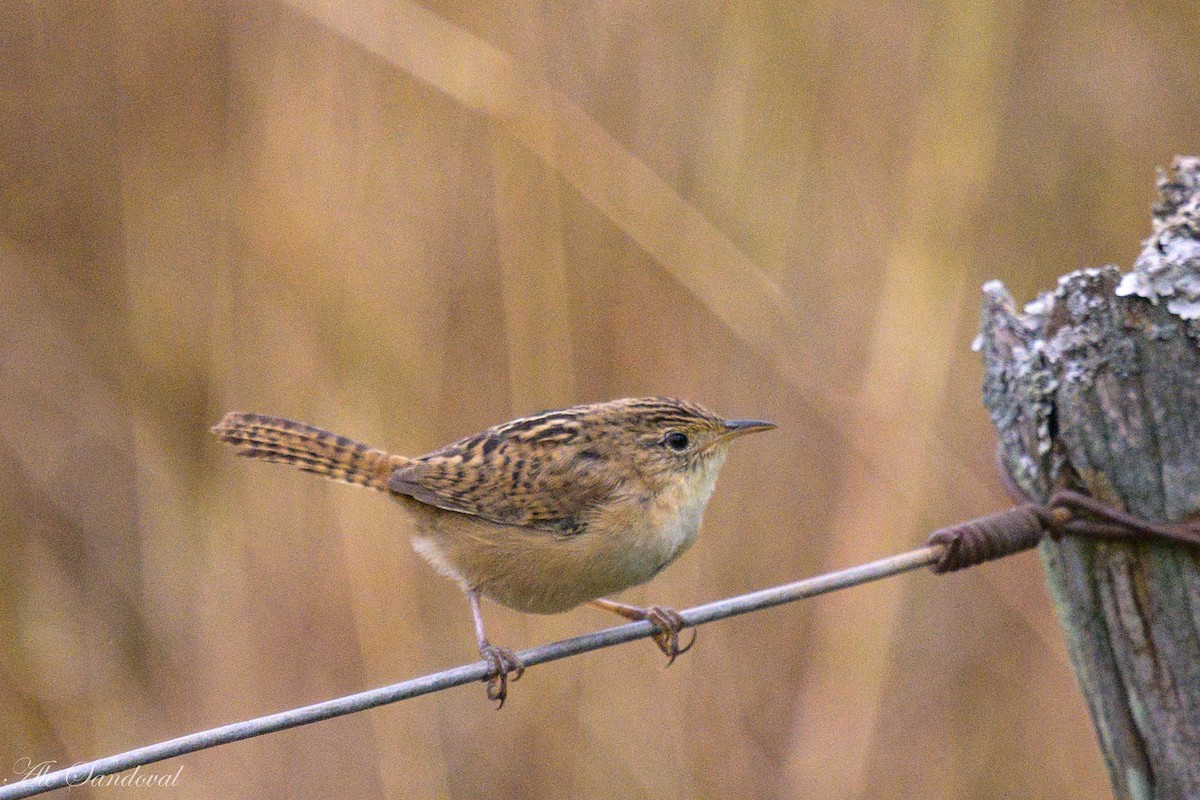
[540, 514]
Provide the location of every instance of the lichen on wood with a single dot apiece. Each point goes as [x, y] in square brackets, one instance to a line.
[1095, 386]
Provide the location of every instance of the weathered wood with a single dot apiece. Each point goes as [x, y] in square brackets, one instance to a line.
[1096, 386]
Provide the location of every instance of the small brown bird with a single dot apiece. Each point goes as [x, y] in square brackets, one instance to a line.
[540, 514]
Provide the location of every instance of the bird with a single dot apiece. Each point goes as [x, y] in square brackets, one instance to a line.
[543, 513]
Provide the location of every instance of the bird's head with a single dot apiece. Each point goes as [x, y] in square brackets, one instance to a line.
[666, 439]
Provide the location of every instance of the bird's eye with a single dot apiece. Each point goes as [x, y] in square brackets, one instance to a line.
[676, 441]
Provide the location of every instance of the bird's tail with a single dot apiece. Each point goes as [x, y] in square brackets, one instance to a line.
[311, 449]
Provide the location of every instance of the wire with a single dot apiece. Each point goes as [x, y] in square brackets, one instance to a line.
[468, 673]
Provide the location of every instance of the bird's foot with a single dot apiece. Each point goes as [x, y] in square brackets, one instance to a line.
[669, 623]
[501, 662]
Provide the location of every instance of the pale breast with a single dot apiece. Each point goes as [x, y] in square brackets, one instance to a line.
[681, 508]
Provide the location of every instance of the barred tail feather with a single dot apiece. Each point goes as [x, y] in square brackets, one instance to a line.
[311, 449]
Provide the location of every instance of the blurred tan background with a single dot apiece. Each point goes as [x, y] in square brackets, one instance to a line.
[408, 221]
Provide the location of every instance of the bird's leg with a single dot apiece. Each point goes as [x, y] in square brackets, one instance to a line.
[501, 660]
[667, 621]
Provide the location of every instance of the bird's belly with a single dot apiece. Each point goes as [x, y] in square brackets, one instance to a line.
[538, 571]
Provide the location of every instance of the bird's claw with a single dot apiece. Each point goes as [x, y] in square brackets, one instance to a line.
[669, 623]
[501, 661]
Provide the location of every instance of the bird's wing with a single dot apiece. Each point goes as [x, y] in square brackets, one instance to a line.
[545, 478]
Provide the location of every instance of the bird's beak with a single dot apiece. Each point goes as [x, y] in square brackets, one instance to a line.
[740, 427]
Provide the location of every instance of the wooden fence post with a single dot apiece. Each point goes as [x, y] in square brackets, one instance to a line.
[1096, 386]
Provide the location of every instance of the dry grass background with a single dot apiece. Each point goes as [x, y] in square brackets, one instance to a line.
[406, 222]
